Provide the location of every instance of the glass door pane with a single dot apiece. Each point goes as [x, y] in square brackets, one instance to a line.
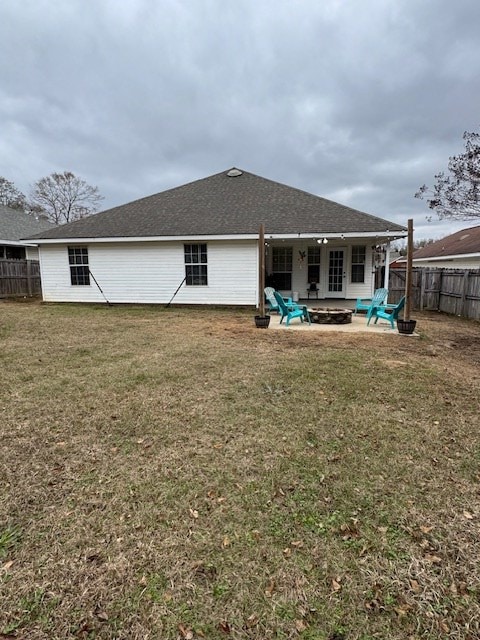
[335, 271]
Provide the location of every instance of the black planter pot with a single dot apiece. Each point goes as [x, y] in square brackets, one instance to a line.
[262, 322]
[406, 326]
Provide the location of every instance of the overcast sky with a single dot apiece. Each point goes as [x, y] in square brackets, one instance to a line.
[360, 102]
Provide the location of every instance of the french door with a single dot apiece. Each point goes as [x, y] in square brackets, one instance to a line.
[336, 273]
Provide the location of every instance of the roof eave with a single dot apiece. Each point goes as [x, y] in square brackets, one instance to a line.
[378, 235]
[17, 243]
[452, 256]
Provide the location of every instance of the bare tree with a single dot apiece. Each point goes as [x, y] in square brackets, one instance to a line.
[10, 196]
[457, 195]
[417, 244]
[63, 197]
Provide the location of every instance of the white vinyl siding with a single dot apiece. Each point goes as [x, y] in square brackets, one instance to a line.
[150, 272]
[31, 253]
[361, 289]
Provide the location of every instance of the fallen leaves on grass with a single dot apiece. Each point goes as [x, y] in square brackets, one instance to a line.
[185, 632]
[336, 586]
[270, 589]
[251, 621]
[224, 626]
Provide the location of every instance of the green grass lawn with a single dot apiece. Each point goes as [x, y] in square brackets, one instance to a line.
[180, 474]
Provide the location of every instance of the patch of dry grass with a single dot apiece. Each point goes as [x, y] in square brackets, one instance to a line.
[179, 474]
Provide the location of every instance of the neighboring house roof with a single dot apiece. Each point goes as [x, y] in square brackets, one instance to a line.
[225, 204]
[15, 225]
[461, 243]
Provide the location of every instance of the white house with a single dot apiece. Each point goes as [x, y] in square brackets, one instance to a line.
[460, 250]
[202, 239]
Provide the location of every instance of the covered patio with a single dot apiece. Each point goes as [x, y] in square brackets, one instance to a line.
[358, 322]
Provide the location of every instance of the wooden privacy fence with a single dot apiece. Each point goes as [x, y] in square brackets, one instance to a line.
[455, 291]
[19, 278]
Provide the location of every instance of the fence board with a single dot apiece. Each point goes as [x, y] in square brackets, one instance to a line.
[19, 278]
[455, 291]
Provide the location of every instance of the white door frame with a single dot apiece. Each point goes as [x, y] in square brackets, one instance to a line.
[339, 275]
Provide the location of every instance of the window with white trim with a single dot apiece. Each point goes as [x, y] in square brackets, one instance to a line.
[196, 267]
[79, 270]
[358, 263]
[282, 262]
[313, 265]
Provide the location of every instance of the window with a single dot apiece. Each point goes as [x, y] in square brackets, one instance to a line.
[282, 259]
[358, 263]
[314, 264]
[78, 260]
[196, 264]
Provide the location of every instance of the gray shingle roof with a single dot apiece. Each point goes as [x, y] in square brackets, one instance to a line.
[459, 243]
[223, 205]
[16, 225]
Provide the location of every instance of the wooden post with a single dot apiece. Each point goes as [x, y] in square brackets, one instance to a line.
[423, 276]
[408, 279]
[29, 278]
[261, 270]
[464, 301]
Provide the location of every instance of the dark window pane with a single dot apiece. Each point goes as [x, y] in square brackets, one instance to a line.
[314, 273]
[196, 275]
[314, 255]
[358, 273]
[80, 275]
[282, 281]
[282, 258]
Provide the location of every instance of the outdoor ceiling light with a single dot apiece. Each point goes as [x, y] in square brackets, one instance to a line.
[322, 240]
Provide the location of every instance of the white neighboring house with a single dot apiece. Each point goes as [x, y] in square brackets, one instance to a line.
[461, 250]
[15, 225]
[202, 239]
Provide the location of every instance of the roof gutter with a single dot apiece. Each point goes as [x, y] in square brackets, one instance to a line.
[18, 243]
[452, 256]
[387, 235]
[338, 235]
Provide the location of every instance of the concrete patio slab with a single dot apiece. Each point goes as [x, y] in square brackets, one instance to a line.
[358, 325]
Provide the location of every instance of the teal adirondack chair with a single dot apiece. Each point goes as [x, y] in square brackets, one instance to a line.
[273, 304]
[291, 310]
[387, 312]
[366, 304]
[270, 298]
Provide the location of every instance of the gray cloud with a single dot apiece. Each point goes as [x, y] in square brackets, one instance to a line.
[358, 102]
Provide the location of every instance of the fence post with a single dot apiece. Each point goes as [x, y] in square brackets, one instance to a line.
[408, 275]
[440, 289]
[422, 289]
[29, 278]
[463, 303]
